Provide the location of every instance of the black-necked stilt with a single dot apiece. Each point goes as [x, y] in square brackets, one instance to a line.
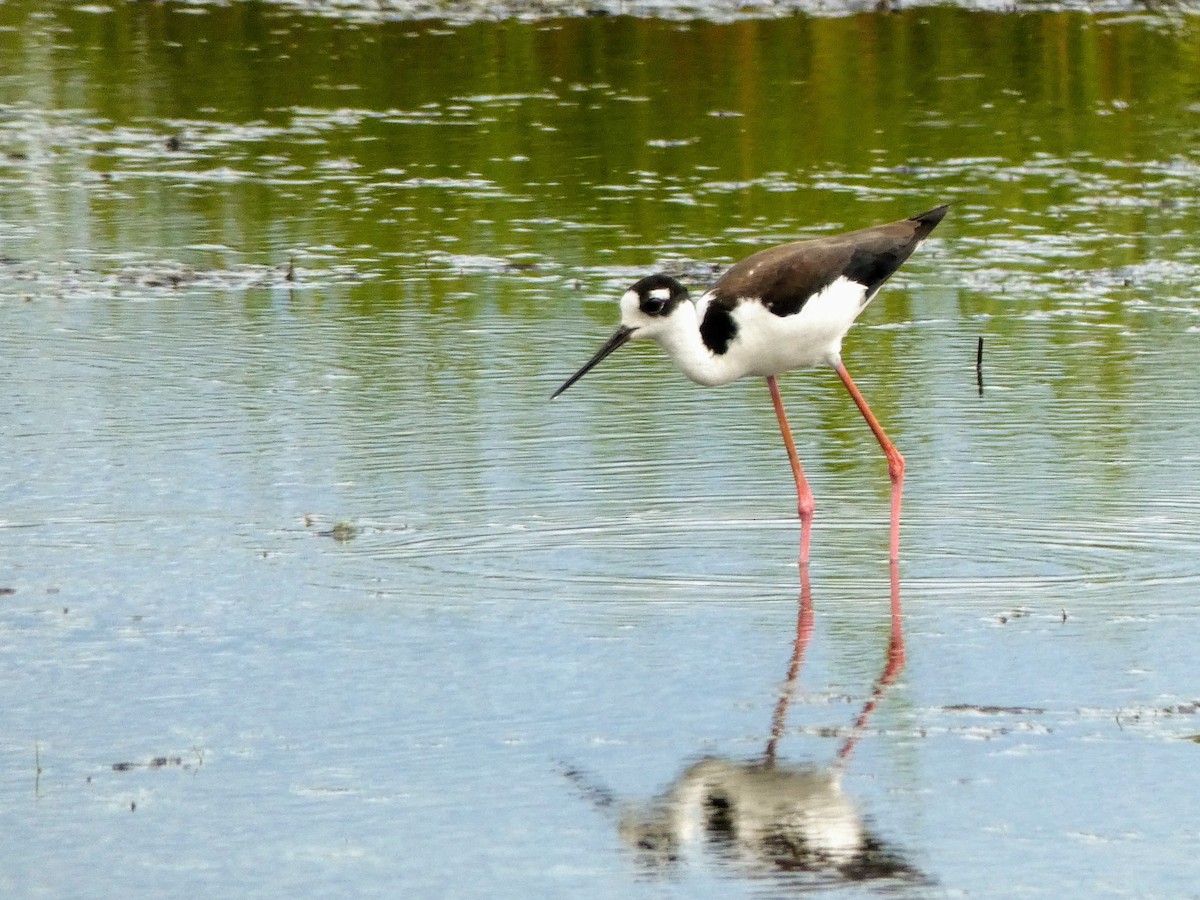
[784, 308]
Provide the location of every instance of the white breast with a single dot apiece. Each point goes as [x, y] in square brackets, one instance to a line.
[767, 344]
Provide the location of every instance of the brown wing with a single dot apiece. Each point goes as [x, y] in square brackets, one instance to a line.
[783, 278]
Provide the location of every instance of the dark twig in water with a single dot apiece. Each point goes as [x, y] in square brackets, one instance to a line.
[979, 365]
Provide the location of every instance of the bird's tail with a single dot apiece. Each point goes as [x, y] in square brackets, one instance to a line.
[927, 221]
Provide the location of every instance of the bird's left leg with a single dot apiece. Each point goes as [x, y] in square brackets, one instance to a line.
[804, 495]
[894, 459]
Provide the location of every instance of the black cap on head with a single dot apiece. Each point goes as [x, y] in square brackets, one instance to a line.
[658, 295]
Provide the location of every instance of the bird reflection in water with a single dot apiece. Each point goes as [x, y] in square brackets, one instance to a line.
[768, 819]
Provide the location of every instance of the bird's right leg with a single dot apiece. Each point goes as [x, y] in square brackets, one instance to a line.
[894, 459]
[804, 496]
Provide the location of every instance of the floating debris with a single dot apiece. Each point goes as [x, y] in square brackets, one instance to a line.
[158, 762]
[1019, 613]
[341, 532]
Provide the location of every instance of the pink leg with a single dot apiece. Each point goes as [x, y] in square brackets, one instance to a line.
[804, 495]
[894, 459]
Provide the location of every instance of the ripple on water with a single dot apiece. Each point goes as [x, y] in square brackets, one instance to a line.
[578, 558]
[658, 550]
[1041, 558]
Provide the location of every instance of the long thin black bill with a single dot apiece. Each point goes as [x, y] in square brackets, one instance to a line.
[622, 335]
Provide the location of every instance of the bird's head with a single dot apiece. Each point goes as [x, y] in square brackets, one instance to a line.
[646, 310]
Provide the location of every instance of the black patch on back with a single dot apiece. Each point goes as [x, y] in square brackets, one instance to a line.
[791, 301]
[718, 328]
[871, 268]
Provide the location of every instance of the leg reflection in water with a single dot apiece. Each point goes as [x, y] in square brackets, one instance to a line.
[770, 819]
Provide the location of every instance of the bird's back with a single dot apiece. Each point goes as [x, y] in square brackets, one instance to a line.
[784, 278]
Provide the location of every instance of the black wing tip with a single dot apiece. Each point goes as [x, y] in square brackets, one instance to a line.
[929, 219]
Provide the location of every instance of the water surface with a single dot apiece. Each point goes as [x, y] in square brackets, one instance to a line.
[309, 588]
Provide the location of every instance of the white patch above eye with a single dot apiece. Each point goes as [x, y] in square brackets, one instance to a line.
[661, 293]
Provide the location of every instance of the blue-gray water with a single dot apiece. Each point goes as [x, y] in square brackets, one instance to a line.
[309, 589]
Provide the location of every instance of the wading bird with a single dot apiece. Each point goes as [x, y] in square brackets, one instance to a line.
[784, 308]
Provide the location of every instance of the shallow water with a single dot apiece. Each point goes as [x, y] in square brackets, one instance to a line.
[309, 588]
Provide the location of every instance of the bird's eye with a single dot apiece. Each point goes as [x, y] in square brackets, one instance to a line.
[652, 306]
